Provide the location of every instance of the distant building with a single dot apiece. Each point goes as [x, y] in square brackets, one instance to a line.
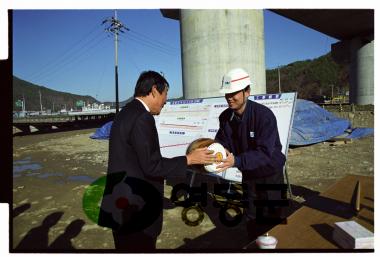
[95, 107]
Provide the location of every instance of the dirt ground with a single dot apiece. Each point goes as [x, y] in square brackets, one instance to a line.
[51, 172]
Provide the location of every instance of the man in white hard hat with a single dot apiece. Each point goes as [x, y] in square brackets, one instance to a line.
[248, 131]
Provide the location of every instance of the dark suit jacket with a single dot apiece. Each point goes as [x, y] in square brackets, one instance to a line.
[253, 139]
[134, 148]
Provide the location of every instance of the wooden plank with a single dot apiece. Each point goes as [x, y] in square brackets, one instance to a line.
[312, 226]
[342, 142]
[339, 139]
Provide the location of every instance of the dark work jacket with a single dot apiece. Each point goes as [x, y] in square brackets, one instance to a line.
[134, 148]
[253, 139]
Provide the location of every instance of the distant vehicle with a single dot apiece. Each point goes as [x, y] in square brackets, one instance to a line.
[19, 114]
[339, 99]
[34, 113]
[318, 99]
[63, 111]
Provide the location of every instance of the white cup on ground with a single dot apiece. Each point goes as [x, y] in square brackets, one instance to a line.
[266, 242]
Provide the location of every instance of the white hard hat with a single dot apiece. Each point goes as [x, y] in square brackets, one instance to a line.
[235, 80]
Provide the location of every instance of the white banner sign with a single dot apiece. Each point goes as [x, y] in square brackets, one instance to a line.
[183, 121]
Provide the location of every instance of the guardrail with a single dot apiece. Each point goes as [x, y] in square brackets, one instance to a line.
[46, 123]
[60, 118]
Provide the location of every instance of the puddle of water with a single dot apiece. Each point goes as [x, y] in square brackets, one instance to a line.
[81, 178]
[23, 161]
[26, 167]
[46, 175]
[32, 174]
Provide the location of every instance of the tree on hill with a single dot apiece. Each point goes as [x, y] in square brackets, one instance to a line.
[51, 99]
[310, 77]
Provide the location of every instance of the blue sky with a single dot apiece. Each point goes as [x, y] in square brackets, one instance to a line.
[68, 50]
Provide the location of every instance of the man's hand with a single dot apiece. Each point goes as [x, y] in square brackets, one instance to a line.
[226, 163]
[200, 156]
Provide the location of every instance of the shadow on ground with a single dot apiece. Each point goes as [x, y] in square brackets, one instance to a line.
[20, 209]
[236, 237]
[37, 239]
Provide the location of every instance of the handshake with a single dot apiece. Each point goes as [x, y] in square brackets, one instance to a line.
[206, 155]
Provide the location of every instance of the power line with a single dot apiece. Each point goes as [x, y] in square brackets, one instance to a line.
[72, 60]
[138, 69]
[62, 54]
[154, 41]
[61, 60]
[100, 81]
[146, 43]
[152, 45]
[77, 59]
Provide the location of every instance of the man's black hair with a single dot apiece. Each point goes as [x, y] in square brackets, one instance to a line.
[146, 81]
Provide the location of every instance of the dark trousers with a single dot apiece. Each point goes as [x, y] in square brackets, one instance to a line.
[136, 242]
[256, 226]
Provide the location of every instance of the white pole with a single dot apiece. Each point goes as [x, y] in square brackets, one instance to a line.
[23, 103]
[40, 99]
[279, 79]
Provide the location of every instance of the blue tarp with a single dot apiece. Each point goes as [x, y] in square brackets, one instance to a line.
[360, 132]
[102, 132]
[311, 124]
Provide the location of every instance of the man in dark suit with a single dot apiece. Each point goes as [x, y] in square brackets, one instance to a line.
[132, 206]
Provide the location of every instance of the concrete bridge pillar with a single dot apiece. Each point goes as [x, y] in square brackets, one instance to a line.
[359, 53]
[215, 41]
[361, 72]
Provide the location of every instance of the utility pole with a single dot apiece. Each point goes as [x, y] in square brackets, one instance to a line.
[279, 79]
[115, 27]
[40, 100]
[23, 103]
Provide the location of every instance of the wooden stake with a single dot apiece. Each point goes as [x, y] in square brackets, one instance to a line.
[357, 201]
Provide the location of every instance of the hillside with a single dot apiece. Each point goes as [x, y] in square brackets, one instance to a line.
[310, 78]
[49, 97]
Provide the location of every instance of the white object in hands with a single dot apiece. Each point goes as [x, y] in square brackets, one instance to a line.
[220, 154]
[266, 242]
